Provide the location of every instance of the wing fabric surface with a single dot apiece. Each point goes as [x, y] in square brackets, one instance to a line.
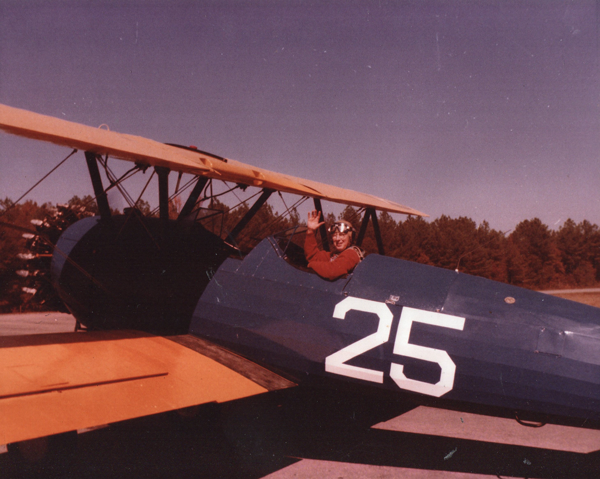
[148, 152]
[53, 383]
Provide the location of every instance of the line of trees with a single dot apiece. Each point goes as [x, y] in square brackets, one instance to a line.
[531, 256]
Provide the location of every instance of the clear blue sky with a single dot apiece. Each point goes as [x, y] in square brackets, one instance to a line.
[484, 109]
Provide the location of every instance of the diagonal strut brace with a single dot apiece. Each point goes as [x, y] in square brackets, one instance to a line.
[250, 213]
[99, 193]
[371, 214]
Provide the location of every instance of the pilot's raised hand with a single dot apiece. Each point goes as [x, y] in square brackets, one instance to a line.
[313, 221]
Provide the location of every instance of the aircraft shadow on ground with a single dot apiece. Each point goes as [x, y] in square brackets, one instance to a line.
[257, 436]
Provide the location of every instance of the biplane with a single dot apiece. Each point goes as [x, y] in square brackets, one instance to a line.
[175, 316]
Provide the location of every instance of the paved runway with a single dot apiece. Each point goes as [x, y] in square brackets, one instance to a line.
[35, 323]
[278, 442]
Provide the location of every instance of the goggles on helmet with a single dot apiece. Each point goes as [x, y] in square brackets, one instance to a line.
[339, 227]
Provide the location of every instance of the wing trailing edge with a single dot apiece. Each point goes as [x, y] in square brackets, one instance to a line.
[152, 153]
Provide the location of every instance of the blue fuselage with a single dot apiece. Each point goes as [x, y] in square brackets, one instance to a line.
[410, 327]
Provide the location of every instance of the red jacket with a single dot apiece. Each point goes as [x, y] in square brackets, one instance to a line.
[328, 265]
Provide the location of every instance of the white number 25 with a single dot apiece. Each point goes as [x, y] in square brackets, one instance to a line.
[336, 363]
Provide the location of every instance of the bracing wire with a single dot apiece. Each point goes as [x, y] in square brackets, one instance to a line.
[144, 190]
[114, 182]
[31, 189]
[177, 193]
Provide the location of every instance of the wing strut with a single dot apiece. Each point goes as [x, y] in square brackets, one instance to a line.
[99, 193]
[163, 192]
[322, 228]
[371, 214]
[251, 212]
[375, 222]
[193, 198]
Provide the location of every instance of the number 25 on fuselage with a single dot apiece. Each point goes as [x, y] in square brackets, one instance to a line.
[336, 363]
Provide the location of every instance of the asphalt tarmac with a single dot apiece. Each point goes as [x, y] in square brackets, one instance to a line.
[295, 434]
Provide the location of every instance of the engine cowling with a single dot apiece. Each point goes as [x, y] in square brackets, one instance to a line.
[132, 272]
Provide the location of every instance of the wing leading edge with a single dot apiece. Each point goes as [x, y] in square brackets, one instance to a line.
[148, 152]
[55, 383]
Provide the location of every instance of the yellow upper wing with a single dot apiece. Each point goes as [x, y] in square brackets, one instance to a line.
[148, 152]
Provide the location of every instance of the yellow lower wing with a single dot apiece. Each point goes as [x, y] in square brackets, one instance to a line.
[55, 383]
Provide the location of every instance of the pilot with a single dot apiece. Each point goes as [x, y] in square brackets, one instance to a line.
[344, 258]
